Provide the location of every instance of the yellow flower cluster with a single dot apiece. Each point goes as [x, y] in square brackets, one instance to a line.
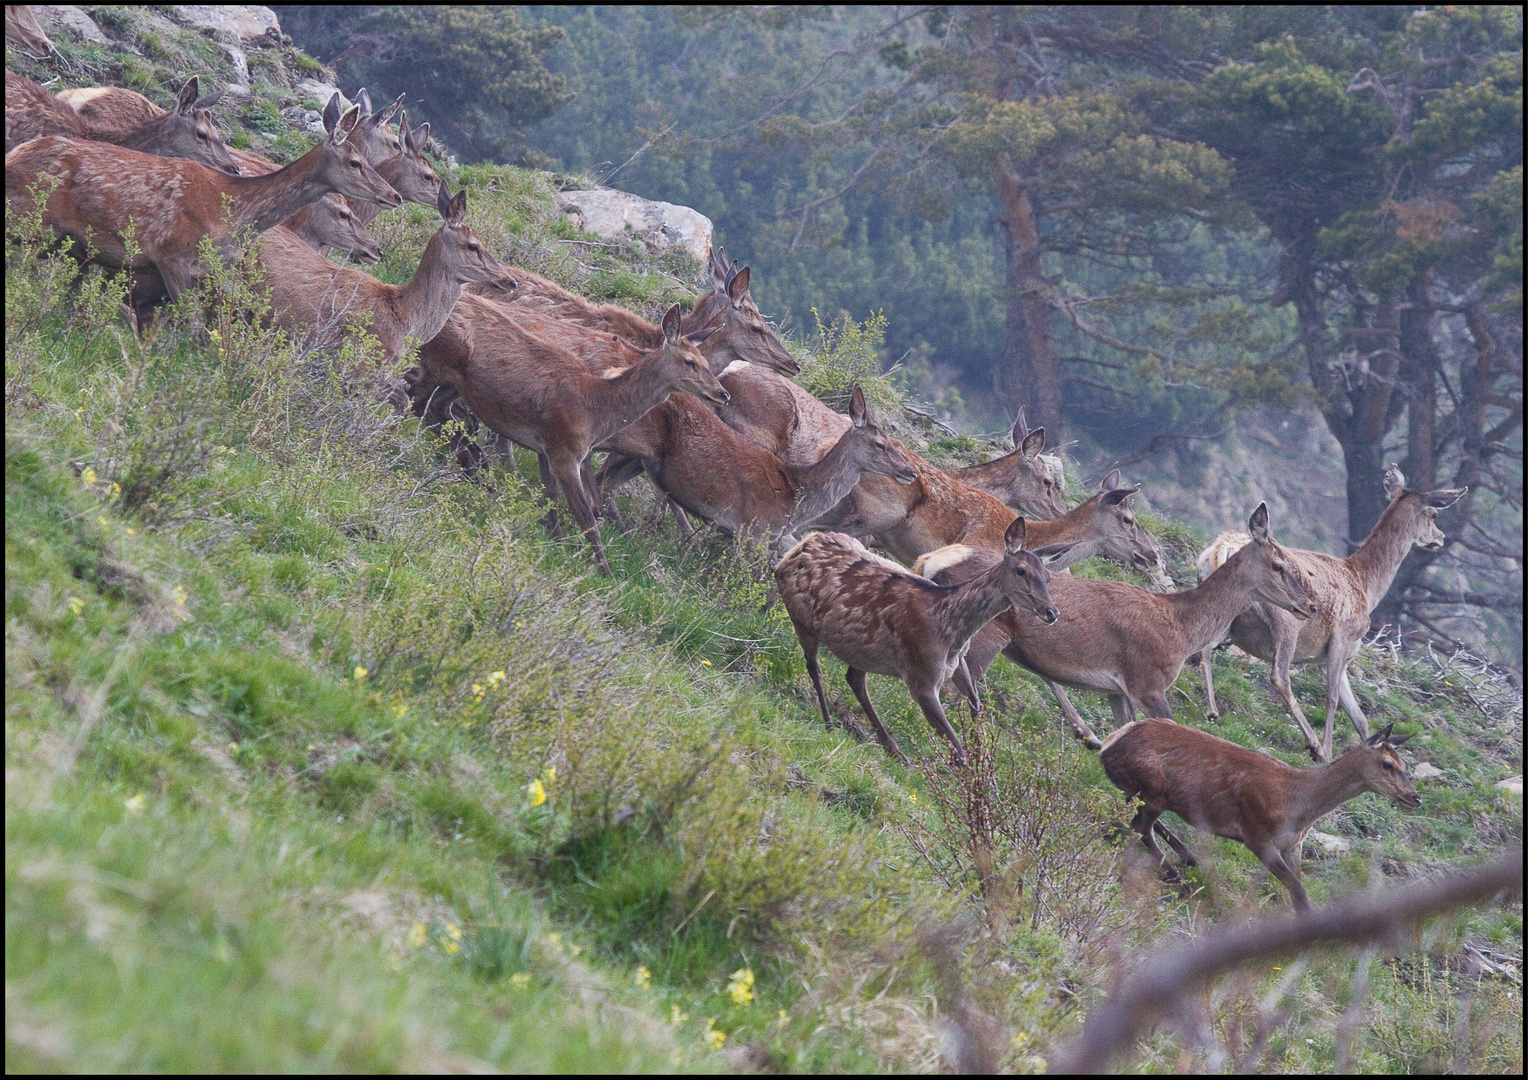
[713, 1036]
[450, 938]
[535, 793]
[520, 980]
[480, 689]
[136, 804]
[676, 1017]
[88, 475]
[740, 989]
[643, 978]
[360, 673]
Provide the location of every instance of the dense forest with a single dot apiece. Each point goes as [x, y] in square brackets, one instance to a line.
[1147, 226]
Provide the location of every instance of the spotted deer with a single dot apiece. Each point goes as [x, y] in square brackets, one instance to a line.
[1345, 591]
[170, 205]
[1121, 640]
[188, 131]
[1225, 789]
[879, 618]
[545, 399]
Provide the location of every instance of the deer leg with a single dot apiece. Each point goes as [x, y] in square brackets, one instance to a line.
[1283, 655]
[549, 481]
[809, 649]
[967, 686]
[1184, 852]
[1351, 706]
[1334, 676]
[1211, 707]
[1142, 823]
[927, 698]
[1079, 725]
[686, 530]
[856, 680]
[1273, 859]
[570, 475]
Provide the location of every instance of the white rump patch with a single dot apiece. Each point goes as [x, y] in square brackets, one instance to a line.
[1114, 736]
[938, 561]
[1221, 548]
[735, 367]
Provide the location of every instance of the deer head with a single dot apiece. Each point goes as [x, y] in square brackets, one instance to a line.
[687, 369]
[1382, 769]
[330, 222]
[1422, 507]
[1276, 577]
[870, 450]
[1124, 539]
[343, 166]
[465, 253]
[376, 141]
[189, 131]
[1025, 576]
[741, 332]
[409, 171]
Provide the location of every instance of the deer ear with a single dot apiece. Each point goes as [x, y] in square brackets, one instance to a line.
[421, 138]
[1399, 740]
[403, 128]
[1110, 482]
[443, 200]
[857, 410]
[1033, 443]
[458, 208]
[737, 288]
[695, 337]
[1013, 536]
[719, 268]
[1379, 738]
[186, 100]
[1444, 497]
[1119, 495]
[1020, 428]
[1052, 552]
[1395, 481]
[345, 125]
[363, 100]
[1257, 524]
[208, 102]
[332, 112]
[387, 114]
[671, 324]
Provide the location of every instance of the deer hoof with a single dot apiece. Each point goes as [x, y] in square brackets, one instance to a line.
[1092, 742]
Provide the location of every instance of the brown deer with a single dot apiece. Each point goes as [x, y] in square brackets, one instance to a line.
[171, 205]
[408, 171]
[1225, 789]
[1346, 592]
[23, 32]
[319, 302]
[879, 618]
[545, 399]
[326, 225]
[1122, 640]
[188, 131]
[717, 475]
[1020, 480]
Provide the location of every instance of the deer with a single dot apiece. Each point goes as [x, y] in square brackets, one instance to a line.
[188, 131]
[172, 205]
[23, 32]
[879, 618]
[544, 398]
[408, 170]
[324, 226]
[315, 299]
[1346, 591]
[722, 478]
[1228, 790]
[1021, 481]
[1119, 639]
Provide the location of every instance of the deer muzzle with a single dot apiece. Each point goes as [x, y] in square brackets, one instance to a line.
[1049, 616]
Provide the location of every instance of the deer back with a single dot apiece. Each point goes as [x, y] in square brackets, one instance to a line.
[779, 415]
[32, 113]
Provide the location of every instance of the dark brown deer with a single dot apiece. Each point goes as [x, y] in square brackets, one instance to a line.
[319, 302]
[1225, 789]
[720, 477]
[326, 225]
[23, 32]
[103, 191]
[1346, 592]
[188, 131]
[545, 399]
[881, 619]
[1121, 640]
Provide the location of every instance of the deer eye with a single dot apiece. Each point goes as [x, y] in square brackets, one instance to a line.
[1387, 765]
[355, 163]
[1021, 572]
[472, 247]
[1278, 567]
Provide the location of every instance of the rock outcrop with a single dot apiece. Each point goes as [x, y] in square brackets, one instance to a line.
[618, 215]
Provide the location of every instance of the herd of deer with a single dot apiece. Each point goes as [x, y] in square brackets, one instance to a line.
[704, 405]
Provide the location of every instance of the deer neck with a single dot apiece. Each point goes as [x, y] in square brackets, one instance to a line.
[823, 484]
[1321, 790]
[1205, 614]
[263, 202]
[425, 303]
[631, 394]
[963, 609]
[1379, 559]
[1072, 527]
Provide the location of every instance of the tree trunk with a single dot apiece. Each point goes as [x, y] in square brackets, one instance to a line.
[1029, 371]
[1421, 378]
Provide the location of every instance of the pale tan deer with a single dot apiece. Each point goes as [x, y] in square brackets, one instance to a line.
[326, 225]
[319, 303]
[879, 618]
[103, 191]
[1225, 789]
[1346, 592]
[722, 478]
[1121, 640]
[545, 399]
[188, 131]
[23, 32]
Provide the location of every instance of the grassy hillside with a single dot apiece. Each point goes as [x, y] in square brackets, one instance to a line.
[319, 756]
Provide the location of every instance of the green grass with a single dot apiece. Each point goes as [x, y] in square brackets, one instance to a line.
[267, 785]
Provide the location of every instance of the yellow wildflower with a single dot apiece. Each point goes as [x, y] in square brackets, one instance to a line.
[713, 1036]
[783, 1019]
[136, 804]
[116, 491]
[555, 941]
[214, 335]
[416, 935]
[496, 678]
[477, 691]
[450, 940]
[129, 530]
[400, 710]
[88, 475]
[1021, 1040]
[574, 950]
[76, 605]
[676, 1017]
[643, 978]
[178, 594]
[101, 520]
[551, 773]
[233, 748]
[360, 673]
[740, 989]
[707, 663]
[912, 796]
[520, 980]
[536, 794]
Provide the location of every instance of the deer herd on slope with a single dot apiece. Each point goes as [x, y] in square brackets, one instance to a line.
[704, 405]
